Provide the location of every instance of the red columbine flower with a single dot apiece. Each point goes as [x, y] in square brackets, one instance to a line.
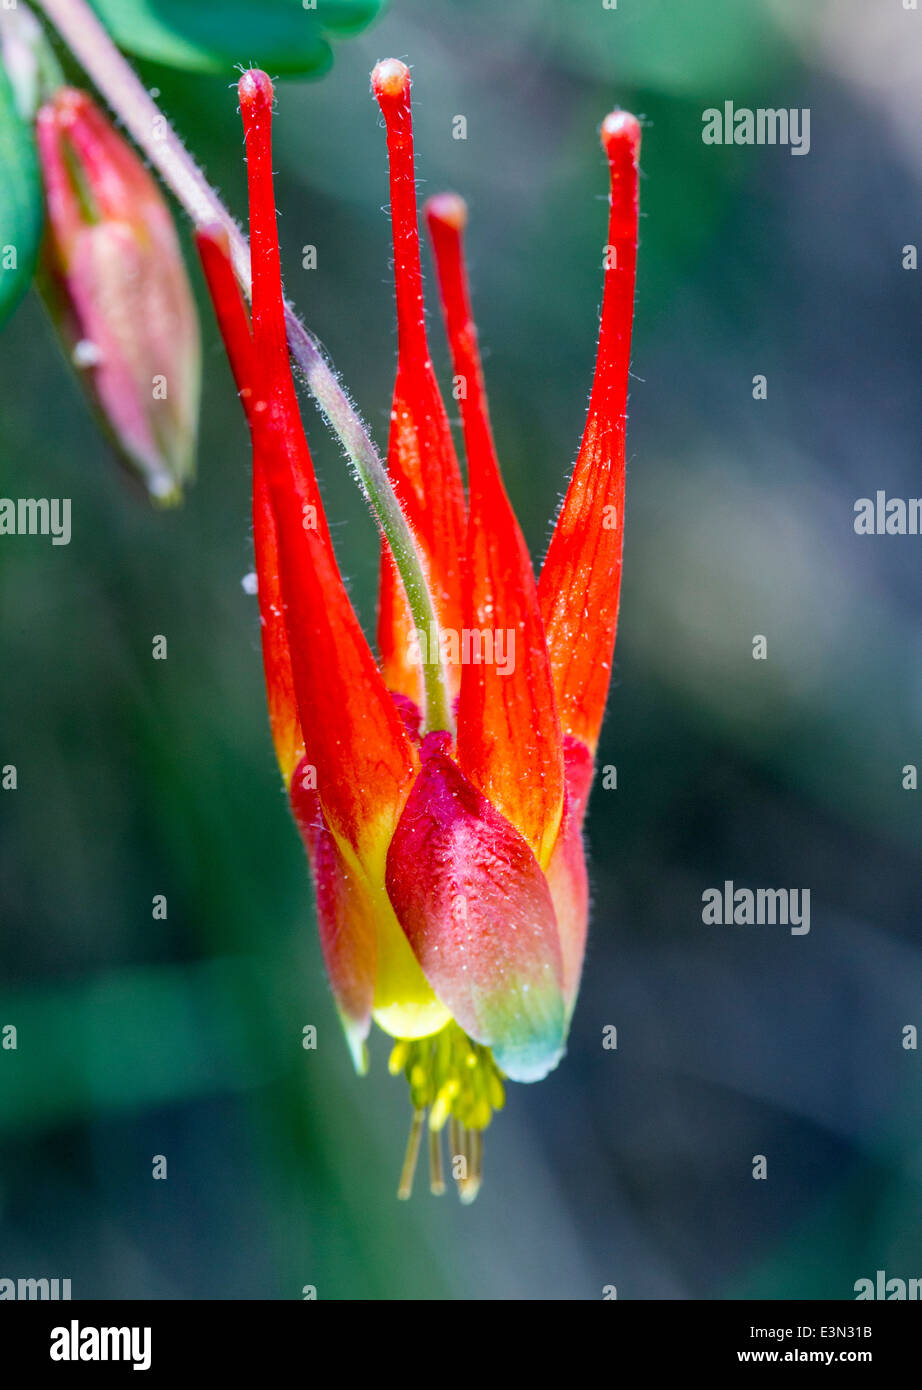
[118, 290]
[446, 848]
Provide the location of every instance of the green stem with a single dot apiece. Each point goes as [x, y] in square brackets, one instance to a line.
[126, 95]
[29, 59]
[347, 425]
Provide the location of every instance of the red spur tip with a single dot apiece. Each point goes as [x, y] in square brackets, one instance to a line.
[255, 92]
[446, 210]
[446, 221]
[269, 333]
[390, 83]
[620, 132]
[390, 79]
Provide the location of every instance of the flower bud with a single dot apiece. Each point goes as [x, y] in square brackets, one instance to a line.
[117, 290]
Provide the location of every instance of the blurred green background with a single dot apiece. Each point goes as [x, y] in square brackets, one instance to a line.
[138, 777]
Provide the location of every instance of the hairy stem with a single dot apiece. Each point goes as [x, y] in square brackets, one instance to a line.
[127, 97]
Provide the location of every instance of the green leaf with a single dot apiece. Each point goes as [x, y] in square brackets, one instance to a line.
[286, 37]
[21, 212]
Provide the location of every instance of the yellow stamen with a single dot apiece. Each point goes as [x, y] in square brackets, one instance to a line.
[408, 1172]
[457, 1081]
[436, 1175]
[468, 1189]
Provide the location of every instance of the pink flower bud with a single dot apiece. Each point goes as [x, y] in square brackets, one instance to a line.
[117, 290]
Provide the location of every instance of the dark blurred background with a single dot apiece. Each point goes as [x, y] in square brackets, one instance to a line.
[138, 777]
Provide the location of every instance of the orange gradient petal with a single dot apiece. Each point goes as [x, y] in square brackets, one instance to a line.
[345, 918]
[509, 742]
[364, 759]
[421, 457]
[581, 579]
[566, 874]
[234, 323]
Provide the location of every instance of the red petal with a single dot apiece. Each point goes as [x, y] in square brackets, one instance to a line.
[345, 919]
[508, 735]
[566, 872]
[421, 456]
[476, 910]
[581, 579]
[364, 758]
[229, 307]
[233, 321]
[284, 718]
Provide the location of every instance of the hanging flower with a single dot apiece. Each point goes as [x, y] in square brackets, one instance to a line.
[444, 835]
